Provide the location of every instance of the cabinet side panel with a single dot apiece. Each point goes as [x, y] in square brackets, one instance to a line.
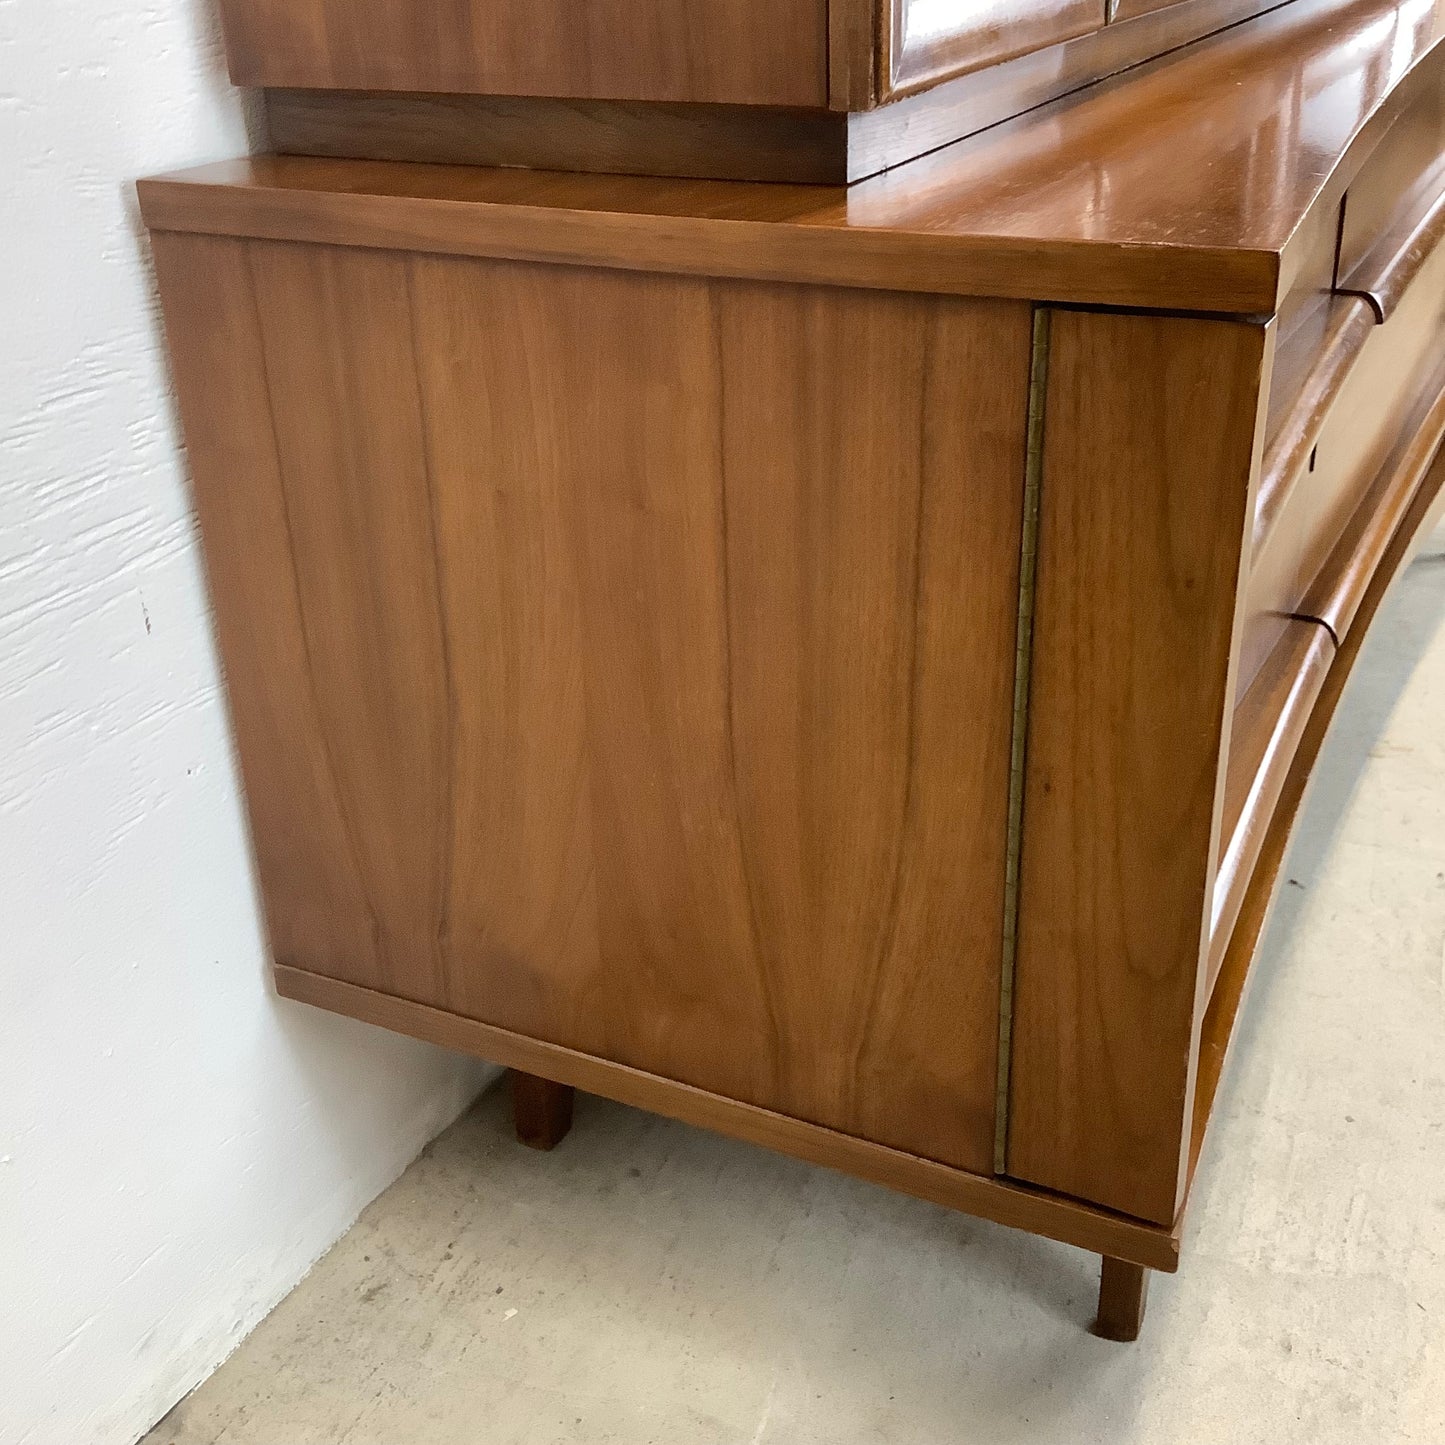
[307, 858]
[1148, 453]
[751, 52]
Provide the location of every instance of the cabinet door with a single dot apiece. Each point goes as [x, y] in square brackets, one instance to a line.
[755, 52]
[626, 661]
[932, 40]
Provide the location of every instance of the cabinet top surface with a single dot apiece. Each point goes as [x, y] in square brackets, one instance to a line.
[1189, 183]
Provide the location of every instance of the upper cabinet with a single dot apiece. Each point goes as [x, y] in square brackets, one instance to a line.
[747, 52]
[836, 54]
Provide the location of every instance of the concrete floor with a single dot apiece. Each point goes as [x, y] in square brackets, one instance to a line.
[649, 1282]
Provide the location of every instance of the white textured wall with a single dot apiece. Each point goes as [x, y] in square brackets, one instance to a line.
[176, 1145]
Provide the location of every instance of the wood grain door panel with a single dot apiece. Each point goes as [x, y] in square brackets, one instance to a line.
[625, 660]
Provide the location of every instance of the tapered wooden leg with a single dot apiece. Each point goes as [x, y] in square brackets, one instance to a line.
[1123, 1289]
[541, 1110]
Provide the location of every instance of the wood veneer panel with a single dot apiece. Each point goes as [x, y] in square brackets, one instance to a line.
[1148, 465]
[1010, 1204]
[303, 842]
[649, 640]
[743, 51]
[730, 142]
[853, 35]
[1268, 724]
[365, 546]
[870, 699]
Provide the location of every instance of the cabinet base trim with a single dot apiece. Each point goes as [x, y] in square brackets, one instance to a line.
[1052, 1216]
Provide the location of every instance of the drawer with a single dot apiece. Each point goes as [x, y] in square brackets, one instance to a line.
[1269, 721]
[1394, 211]
[1353, 414]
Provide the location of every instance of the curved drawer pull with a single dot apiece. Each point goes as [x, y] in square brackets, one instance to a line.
[1387, 268]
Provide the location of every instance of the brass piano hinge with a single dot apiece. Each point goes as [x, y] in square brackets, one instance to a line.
[1023, 654]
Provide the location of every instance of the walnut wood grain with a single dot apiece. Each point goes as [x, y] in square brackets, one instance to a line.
[1343, 581]
[853, 33]
[729, 142]
[754, 52]
[710, 228]
[1386, 271]
[1425, 512]
[1269, 721]
[1147, 490]
[1014, 1205]
[1123, 1294]
[1310, 367]
[645, 657]
[1393, 215]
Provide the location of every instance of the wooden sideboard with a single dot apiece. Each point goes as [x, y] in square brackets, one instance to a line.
[836, 665]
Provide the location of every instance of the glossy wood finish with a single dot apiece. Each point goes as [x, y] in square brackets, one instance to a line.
[1123, 1294]
[1017, 1206]
[1268, 723]
[1386, 271]
[925, 41]
[1124, 10]
[642, 599]
[1310, 370]
[1333, 429]
[1077, 202]
[852, 60]
[541, 1110]
[1344, 580]
[948, 111]
[1147, 480]
[729, 142]
[1393, 216]
[728, 758]
[737, 51]
[706, 228]
[1425, 512]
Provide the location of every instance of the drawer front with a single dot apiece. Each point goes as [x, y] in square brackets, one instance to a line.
[1353, 394]
[932, 40]
[1269, 721]
[1395, 201]
[748, 52]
